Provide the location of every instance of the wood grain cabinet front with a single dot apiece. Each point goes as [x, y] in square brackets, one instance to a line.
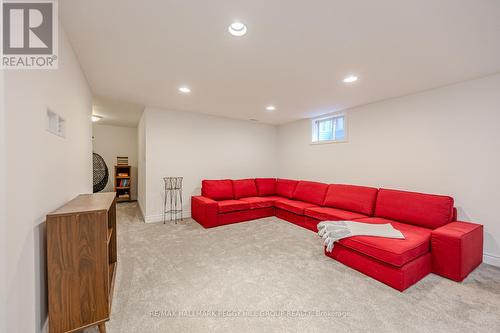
[81, 262]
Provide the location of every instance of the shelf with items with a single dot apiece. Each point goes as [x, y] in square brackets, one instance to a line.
[123, 178]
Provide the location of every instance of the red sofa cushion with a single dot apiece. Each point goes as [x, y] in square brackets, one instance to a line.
[312, 192]
[226, 206]
[244, 188]
[393, 251]
[244, 215]
[360, 199]
[217, 189]
[275, 198]
[285, 187]
[266, 186]
[399, 278]
[333, 214]
[425, 210]
[293, 206]
[296, 219]
[258, 202]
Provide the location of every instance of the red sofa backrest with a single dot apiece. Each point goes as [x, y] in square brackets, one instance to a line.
[244, 188]
[312, 192]
[286, 187]
[359, 199]
[266, 186]
[425, 210]
[217, 189]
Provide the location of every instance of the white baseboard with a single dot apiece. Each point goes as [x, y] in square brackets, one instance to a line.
[159, 217]
[45, 327]
[141, 211]
[491, 259]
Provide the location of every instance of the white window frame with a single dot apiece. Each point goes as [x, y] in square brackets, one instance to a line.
[314, 129]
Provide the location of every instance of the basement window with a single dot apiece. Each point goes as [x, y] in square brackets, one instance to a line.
[329, 129]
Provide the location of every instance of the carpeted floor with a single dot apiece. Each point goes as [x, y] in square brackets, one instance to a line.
[269, 275]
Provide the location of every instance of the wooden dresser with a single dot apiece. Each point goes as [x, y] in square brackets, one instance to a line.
[81, 262]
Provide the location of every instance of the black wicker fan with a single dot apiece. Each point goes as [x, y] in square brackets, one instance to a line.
[101, 173]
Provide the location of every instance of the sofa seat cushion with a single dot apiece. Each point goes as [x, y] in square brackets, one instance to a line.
[258, 202]
[312, 192]
[293, 206]
[276, 198]
[226, 206]
[396, 252]
[217, 189]
[244, 188]
[420, 209]
[266, 186]
[334, 214]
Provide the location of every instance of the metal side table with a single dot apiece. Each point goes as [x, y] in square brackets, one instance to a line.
[172, 204]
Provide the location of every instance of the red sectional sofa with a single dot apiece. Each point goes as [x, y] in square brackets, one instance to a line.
[434, 240]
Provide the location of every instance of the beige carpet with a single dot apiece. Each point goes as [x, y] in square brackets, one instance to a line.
[271, 276]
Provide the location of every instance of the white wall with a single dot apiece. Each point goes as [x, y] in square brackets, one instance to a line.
[3, 220]
[44, 171]
[443, 141]
[198, 146]
[112, 141]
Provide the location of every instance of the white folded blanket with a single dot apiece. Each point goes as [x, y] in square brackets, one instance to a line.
[332, 231]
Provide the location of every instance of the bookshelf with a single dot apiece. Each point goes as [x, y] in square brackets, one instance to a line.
[122, 182]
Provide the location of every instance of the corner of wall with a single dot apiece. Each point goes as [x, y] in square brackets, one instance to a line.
[3, 219]
[141, 163]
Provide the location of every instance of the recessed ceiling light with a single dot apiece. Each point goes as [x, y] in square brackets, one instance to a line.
[96, 118]
[237, 29]
[184, 90]
[270, 108]
[350, 79]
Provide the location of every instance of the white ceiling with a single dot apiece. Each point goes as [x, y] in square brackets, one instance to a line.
[294, 55]
[116, 112]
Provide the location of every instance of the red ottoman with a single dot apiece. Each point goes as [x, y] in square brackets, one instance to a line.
[456, 249]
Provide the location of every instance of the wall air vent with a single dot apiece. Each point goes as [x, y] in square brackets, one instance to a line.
[56, 124]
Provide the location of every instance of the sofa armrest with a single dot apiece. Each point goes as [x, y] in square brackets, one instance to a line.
[204, 211]
[456, 249]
